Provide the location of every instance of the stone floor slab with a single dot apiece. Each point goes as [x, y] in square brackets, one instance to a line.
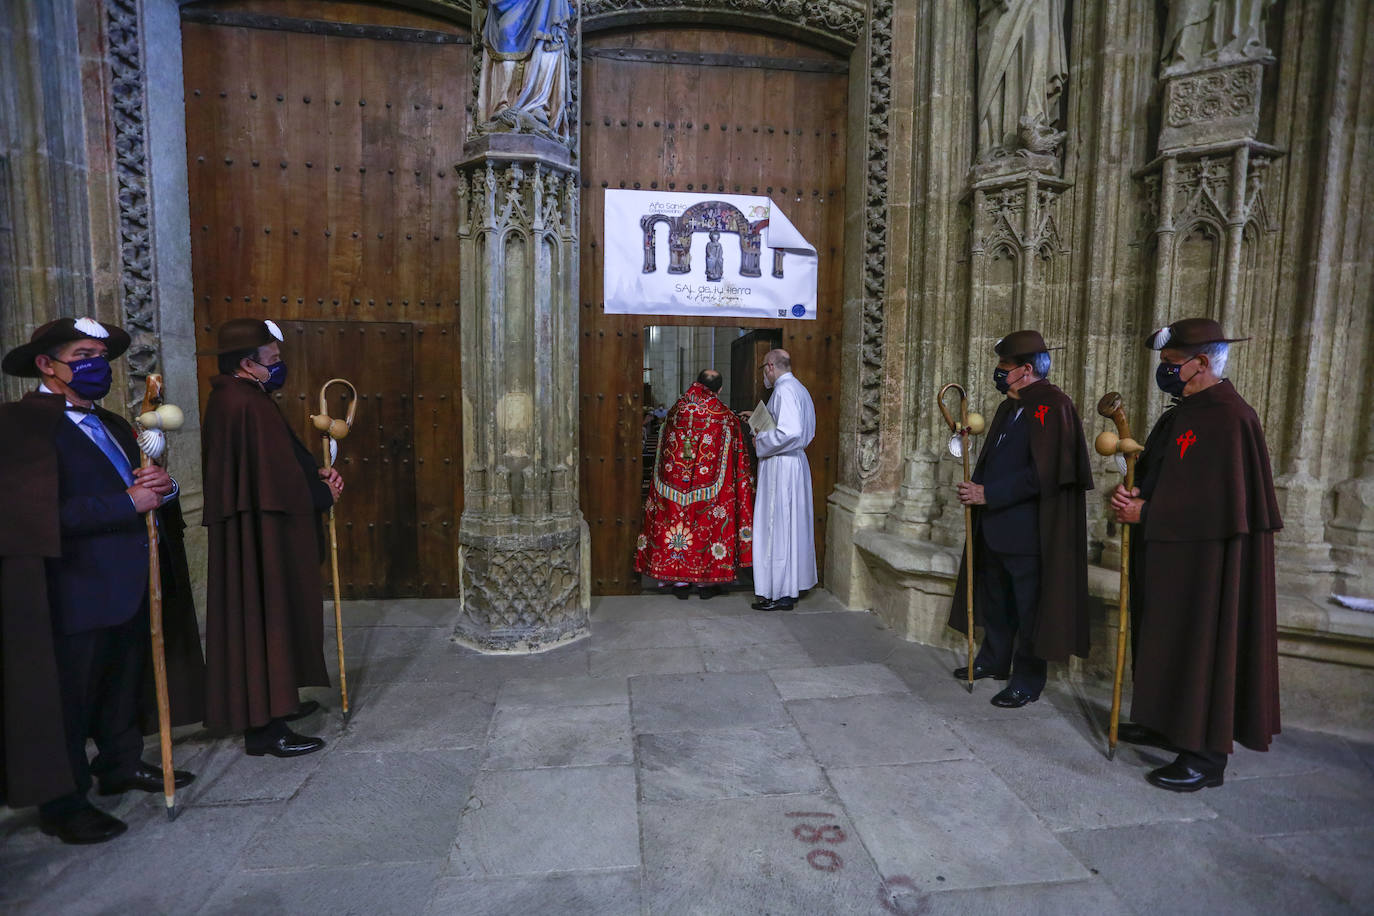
[624, 663]
[842, 637]
[727, 632]
[950, 824]
[759, 657]
[613, 893]
[870, 730]
[810, 683]
[764, 760]
[418, 716]
[1343, 860]
[1068, 782]
[364, 890]
[560, 736]
[1068, 898]
[532, 822]
[1199, 867]
[1276, 805]
[117, 877]
[797, 854]
[227, 775]
[370, 807]
[583, 690]
[686, 702]
[669, 633]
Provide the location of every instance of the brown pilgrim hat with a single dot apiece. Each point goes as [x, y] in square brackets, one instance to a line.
[19, 361]
[1190, 332]
[1021, 343]
[244, 334]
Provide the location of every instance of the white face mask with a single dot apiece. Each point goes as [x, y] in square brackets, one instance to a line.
[767, 382]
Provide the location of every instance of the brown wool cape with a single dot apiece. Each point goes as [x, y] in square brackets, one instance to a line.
[264, 623]
[1065, 473]
[1206, 663]
[33, 752]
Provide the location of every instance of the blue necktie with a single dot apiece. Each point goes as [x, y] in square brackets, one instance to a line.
[112, 451]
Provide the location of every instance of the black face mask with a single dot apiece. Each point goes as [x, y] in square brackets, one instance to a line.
[1169, 380]
[999, 378]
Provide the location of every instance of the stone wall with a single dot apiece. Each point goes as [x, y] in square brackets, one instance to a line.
[1227, 181]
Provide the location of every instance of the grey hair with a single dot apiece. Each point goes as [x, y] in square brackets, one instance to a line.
[1040, 362]
[1217, 354]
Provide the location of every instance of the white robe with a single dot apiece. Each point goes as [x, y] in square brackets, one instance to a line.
[784, 532]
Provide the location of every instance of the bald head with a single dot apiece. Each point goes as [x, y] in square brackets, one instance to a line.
[775, 364]
[711, 379]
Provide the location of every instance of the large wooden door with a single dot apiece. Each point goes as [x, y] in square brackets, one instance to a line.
[694, 109]
[321, 142]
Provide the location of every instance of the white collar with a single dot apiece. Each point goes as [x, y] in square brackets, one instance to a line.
[74, 413]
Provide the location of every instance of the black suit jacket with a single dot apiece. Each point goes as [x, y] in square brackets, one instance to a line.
[101, 578]
[1011, 518]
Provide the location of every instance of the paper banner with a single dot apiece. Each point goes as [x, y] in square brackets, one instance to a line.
[705, 255]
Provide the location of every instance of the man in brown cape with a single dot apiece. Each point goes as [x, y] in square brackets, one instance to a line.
[74, 622]
[1206, 653]
[264, 492]
[1029, 529]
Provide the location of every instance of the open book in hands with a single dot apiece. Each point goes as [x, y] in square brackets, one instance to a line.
[761, 421]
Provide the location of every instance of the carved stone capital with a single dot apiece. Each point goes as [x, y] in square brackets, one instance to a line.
[1215, 105]
[1018, 212]
[521, 592]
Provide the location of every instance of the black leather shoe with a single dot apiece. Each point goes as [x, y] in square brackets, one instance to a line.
[84, 826]
[1132, 733]
[707, 592]
[682, 592]
[979, 672]
[145, 778]
[279, 741]
[1179, 777]
[308, 708]
[773, 604]
[1013, 698]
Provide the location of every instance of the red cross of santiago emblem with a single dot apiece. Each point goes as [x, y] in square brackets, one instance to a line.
[1184, 441]
[1041, 412]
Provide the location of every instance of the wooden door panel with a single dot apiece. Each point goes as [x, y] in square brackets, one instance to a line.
[322, 195]
[769, 129]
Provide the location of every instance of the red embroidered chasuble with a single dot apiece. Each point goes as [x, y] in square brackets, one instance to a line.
[698, 519]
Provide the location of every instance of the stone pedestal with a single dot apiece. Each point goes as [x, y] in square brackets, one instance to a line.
[1351, 533]
[521, 535]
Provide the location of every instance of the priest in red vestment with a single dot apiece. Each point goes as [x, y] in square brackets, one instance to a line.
[699, 517]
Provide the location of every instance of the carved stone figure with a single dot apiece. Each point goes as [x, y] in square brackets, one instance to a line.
[1022, 67]
[715, 258]
[1213, 31]
[525, 81]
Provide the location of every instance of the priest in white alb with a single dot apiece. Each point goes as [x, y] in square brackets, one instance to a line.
[784, 532]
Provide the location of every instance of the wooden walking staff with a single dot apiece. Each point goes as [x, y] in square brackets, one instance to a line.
[970, 424]
[153, 418]
[1119, 443]
[331, 432]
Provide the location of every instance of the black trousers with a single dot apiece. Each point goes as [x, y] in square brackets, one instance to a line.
[1009, 594]
[101, 675]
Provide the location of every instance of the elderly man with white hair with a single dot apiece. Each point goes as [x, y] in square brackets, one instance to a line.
[1206, 647]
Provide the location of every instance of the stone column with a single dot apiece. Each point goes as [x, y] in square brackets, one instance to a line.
[870, 405]
[522, 538]
[46, 268]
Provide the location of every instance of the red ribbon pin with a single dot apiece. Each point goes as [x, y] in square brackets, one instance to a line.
[1041, 412]
[1184, 441]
